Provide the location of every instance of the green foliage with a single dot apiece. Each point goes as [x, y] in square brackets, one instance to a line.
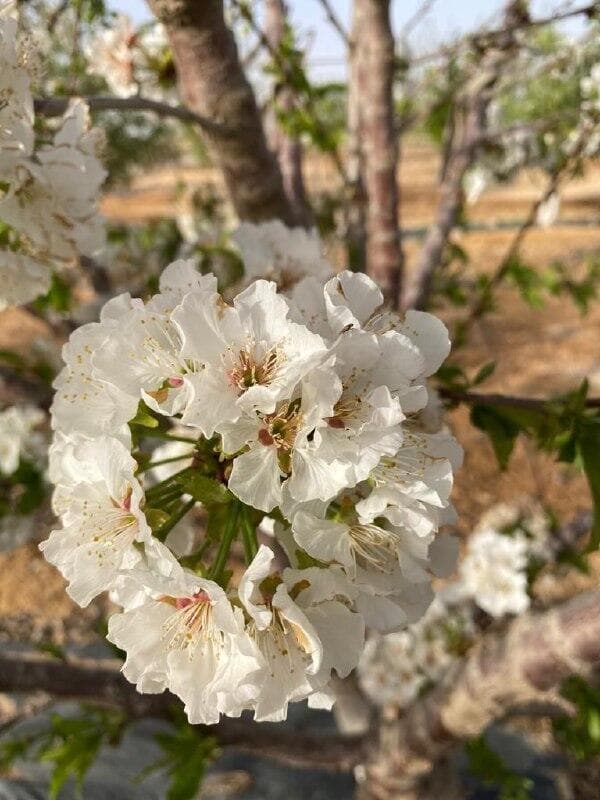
[204, 489]
[23, 491]
[534, 285]
[500, 428]
[487, 765]
[566, 427]
[187, 753]
[59, 297]
[69, 745]
[580, 734]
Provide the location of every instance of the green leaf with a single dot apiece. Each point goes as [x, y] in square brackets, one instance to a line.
[187, 753]
[59, 297]
[204, 489]
[487, 765]
[589, 451]
[501, 430]
[71, 745]
[144, 417]
[484, 373]
[156, 517]
[580, 734]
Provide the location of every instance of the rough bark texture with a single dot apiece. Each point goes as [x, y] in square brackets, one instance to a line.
[374, 56]
[466, 140]
[521, 669]
[287, 148]
[212, 84]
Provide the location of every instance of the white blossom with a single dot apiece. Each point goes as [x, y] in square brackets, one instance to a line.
[102, 519]
[20, 437]
[285, 255]
[187, 637]
[493, 572]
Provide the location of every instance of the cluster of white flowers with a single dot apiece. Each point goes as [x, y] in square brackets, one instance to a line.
[394, 669]
[492, 577]
[129, 58]
[301, 407]
[48, 193]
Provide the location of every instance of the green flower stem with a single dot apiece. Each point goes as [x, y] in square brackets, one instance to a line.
[169, 437]
[229, 534]
[178, 515]
[249, 535]
[167, 483]
[164, 461]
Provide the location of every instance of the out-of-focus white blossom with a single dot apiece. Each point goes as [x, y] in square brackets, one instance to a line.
[19, 436]
[285, 255]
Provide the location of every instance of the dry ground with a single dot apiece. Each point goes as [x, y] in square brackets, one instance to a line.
[537, 353]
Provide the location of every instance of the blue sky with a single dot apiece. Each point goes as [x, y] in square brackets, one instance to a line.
[446, 18]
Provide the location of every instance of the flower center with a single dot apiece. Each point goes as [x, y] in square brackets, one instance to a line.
[250, 367]
[373, 547]
[191, 624]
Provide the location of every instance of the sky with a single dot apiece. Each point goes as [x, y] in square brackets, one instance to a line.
[326, 51]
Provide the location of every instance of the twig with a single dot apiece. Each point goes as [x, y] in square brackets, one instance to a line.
[477, 97]
[482, 38]
[508, 401]
[417, 17]
[56, 106]
[503, 267]
[336, 22]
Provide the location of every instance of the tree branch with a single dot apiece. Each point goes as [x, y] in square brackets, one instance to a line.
[335, 22]
[482, 39]
[476, 97]
[522, 667]
[213, 85]
[509, 401]
[288, 148]
[97, 681]
[56, 107]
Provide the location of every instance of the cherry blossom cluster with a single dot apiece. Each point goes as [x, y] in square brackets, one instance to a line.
[293, 414]
[48, 200]
[128, 58]
[493, 577]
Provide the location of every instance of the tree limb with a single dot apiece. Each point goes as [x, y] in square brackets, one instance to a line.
[476, 99]
[288, 148]
[509, 401]
[213, 85]
[521, 667]
[56, 107]
[98, 681]
[516, 669]
[335, 22]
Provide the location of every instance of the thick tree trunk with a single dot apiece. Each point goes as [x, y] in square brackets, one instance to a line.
[213, 85]
[374, 61]
[288, 150]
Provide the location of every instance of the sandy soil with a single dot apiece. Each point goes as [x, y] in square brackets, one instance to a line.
[537, 353]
